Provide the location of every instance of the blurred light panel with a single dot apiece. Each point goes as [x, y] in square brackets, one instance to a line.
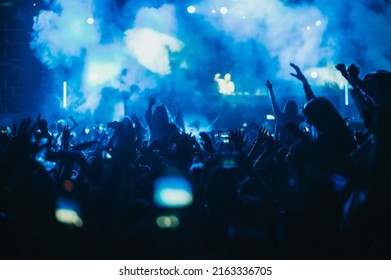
[191, 9]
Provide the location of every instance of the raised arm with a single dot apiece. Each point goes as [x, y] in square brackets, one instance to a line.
[74, 123]
[309, 94]
[275, 107]
[148, 114]
[363, 102]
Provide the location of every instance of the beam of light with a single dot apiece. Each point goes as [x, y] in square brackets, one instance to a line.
[346, 93]
[64, 94]
[191, 9]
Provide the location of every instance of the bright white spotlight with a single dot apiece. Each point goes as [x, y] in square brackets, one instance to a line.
[243, 17]
[318, 22]
[314, 75]
[213, 11]
[223, 10]
[90, 20]
[191, 9]
[308, 27]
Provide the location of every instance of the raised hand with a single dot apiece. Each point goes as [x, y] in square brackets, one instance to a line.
[152, 100]
[269, 85]
[42, 124]
[207, 143]
[342, 68]
[21, 146]
[262, 134]
[353, 71]
[298, 75]
[237, 137]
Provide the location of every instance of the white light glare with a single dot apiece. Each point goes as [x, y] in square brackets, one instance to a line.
[213, 11]
[191, 9]
[308, 27]
[93, 77]
[314, 75]
[318, 22]
[90, 20]
[223, 10]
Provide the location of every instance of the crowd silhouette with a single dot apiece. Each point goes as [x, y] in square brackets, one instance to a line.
[291, 193]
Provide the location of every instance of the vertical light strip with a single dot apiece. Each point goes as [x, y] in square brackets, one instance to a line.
[346, 93]
[64, 94]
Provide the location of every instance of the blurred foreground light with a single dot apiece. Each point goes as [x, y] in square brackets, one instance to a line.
[90, 20]
[166, 222]
[314, 75]
[318, 22]
[270, 117]
[172, 192]
[68, 216]
[223, 10]
[191, 9]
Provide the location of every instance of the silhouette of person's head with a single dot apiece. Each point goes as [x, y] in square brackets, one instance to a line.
[160, 115]
[60, 125]
[291, 108]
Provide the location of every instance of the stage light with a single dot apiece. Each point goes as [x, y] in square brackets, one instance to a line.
[90, 20]
[243, 17]
[223, 10]
[213, 11]
[308, 27]
[64, 94]
[191, 9]
[346, 93]
[314, 75]
[318, 22]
